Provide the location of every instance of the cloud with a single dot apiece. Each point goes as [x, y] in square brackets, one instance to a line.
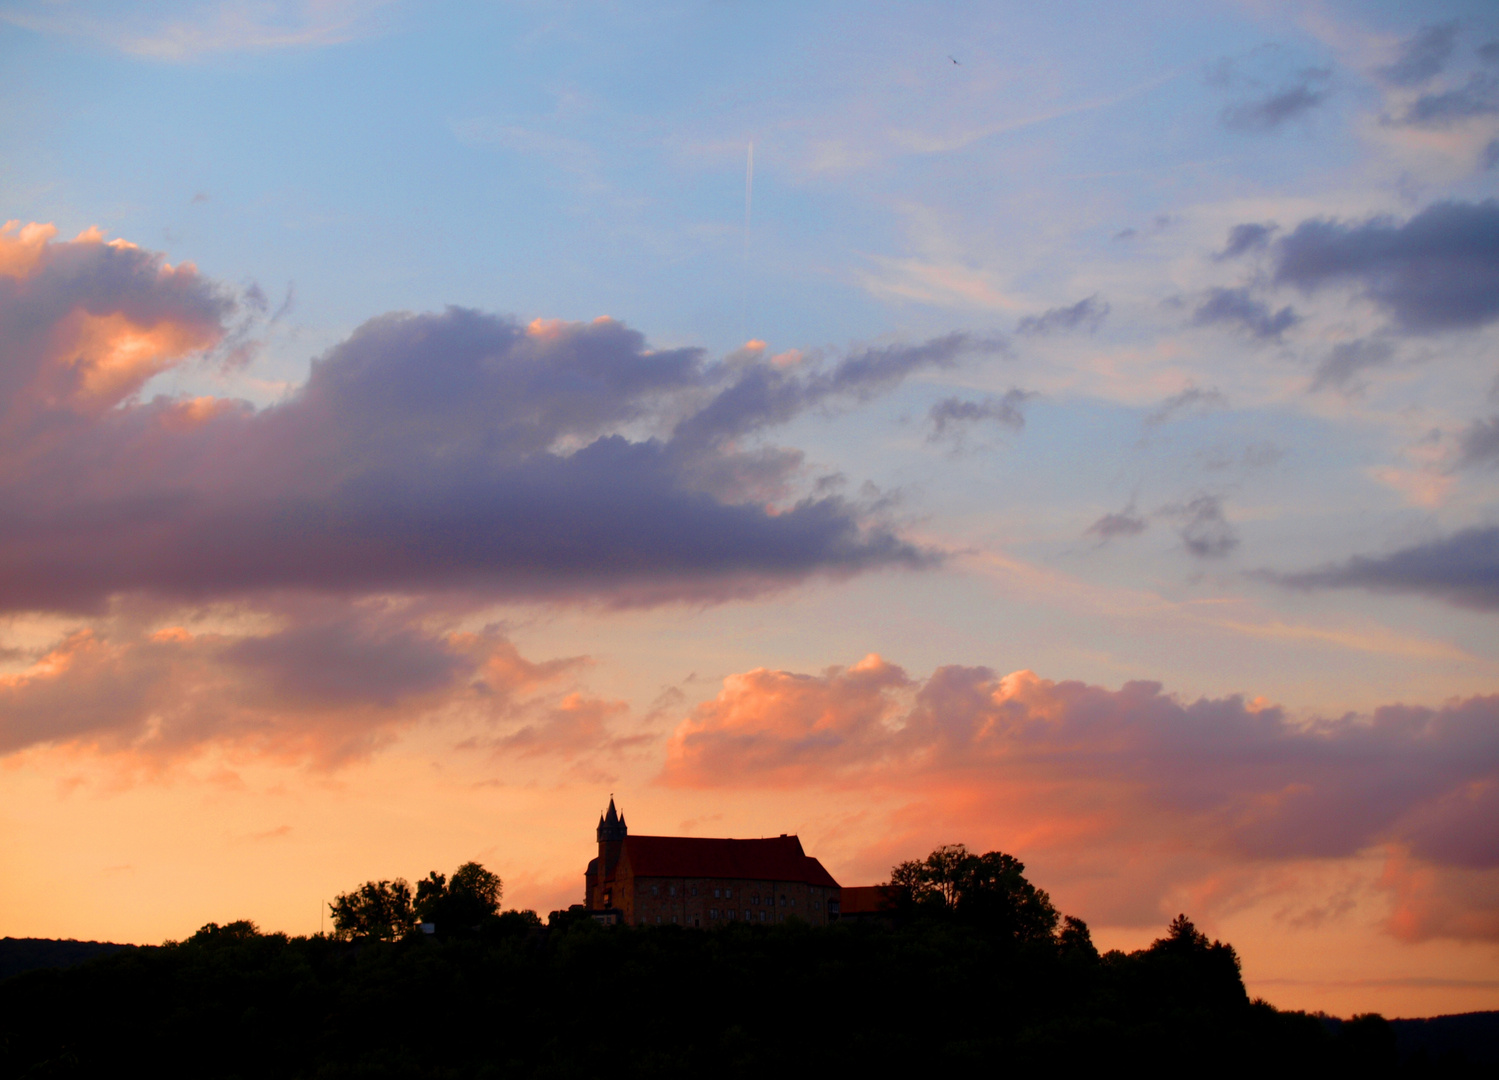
[87, 323]
[1250, 236]
[1203, 528]
[1159, 224]
[1133, 779]
[950, 413]
[1237, 308]
[456, 452]
[1273, 110]
[1479, 96]
[1462, 569]
[1437, 271]
[1124, 522]
[189, 31]
[758, 395]
[1422, 56]
[1192, 398]
[1348, 360]
[1088, 313]
[321, 686]
[1479, 444]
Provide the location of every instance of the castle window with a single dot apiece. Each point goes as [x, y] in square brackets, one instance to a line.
[755, 899]
[653, 890]
[732, 913]
[717, 893]
[728, 894]
[783, 899]
[712, 913]
[747, 916]
[671, 890]
[762, 916]
[694, 890]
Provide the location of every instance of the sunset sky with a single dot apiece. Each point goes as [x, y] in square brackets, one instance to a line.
[1076, 433]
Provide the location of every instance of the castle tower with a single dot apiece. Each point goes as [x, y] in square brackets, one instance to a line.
[612, 832]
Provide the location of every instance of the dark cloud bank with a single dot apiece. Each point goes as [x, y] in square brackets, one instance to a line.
[1437, 271]
[451, 451]
[1462, 569]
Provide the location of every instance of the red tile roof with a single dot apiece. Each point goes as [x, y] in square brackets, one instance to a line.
[778, 858]
[865, 899]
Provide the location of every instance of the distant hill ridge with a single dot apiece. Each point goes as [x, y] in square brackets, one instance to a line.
[1473, 1036]
[28, 954]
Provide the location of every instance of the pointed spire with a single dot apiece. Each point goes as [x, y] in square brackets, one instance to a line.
[612, 824]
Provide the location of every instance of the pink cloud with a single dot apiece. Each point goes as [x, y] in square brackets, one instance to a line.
[324, 688]
[456, 453]
[1130, 792]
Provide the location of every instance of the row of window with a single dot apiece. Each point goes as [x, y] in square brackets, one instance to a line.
[727, 894]
[731, 914]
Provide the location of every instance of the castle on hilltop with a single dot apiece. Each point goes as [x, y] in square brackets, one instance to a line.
[704, 882]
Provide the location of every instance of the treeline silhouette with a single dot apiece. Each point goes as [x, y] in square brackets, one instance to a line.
[971, 970]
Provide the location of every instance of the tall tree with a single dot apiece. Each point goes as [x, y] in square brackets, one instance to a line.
[381, 910]
[461, 902]
[991, 888]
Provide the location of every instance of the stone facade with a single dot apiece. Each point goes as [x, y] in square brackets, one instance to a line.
[705, 882]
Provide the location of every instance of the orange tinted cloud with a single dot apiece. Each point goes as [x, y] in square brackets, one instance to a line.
[84, 324]
[21, 247]
[323, 688]
[1131, 793]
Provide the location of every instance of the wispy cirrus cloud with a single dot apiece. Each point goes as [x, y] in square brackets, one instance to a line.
[1287, 103]
[191, 30]
[1191, 399]
[1087, 314]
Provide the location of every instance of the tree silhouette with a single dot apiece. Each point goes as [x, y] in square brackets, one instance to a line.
[380, 910]
[463, 902]
[991, 889]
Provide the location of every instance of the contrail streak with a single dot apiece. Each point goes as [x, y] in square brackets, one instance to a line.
[749, 194]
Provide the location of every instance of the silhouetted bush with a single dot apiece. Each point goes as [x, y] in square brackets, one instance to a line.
[516, 999]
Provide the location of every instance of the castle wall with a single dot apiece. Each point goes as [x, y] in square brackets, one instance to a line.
[709, 902]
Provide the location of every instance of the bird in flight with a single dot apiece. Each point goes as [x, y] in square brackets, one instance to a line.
[954, 59]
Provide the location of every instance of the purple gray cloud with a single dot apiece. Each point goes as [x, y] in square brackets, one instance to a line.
[950, 414]
[1239, 309]
[1462, 569]
[453, 452]
[1422, 56]
[1437, 271]
[1088, 314]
